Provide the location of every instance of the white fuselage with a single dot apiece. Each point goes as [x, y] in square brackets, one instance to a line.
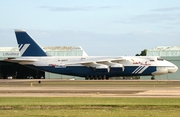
[131, 65]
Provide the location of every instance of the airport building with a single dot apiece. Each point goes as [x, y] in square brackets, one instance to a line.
[14, 70]
[169, 53]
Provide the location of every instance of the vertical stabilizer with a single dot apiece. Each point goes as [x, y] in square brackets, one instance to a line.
[27, 46]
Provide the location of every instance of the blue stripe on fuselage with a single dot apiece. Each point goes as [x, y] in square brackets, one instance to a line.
[87, 71]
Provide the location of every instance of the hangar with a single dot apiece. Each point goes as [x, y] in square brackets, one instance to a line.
[169, 53]
[14, 70]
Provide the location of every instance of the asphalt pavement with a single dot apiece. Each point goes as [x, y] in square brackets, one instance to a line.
[107, 88]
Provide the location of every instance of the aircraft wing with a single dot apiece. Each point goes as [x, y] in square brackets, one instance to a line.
[95, 63]
[100, 64]
[100, 61]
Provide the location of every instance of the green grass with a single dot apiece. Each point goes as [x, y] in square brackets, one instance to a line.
[87, 101]
[89, 107]
[89, 113]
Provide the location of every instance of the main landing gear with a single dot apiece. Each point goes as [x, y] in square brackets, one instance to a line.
[96, 78]
[152, 78]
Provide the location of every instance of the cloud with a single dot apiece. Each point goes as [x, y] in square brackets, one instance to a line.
[166, 27]
[86, 8]
[167, 9]
[67, 8]
[107, 7]
[151, 18]
[156, 17]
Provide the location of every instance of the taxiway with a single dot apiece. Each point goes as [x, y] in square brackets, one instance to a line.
[67, 88]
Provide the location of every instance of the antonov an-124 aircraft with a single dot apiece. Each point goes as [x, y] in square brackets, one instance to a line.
[90, 67]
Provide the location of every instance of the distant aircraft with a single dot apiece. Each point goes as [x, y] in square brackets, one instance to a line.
[90, 67]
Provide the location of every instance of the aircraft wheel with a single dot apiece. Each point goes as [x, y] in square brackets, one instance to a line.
[99, 78]
[92, 78]
[104, 77]
[152, 78]
[107, 78]
[95, 77]
[87, 78]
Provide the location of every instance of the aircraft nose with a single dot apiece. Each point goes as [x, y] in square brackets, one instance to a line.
[172, 69]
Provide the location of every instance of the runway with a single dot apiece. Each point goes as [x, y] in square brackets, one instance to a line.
[109, 88]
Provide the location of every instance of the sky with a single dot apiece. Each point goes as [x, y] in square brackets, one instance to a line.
[100, 27]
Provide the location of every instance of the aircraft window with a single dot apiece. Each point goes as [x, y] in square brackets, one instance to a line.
[160, 59]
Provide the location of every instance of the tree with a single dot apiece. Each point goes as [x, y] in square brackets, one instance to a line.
[143, 53]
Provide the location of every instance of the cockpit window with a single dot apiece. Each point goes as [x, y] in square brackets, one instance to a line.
[160, 59]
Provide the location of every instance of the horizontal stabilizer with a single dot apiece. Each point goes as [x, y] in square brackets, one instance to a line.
[17, 60]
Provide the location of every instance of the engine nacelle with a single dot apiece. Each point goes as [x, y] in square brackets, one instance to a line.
[99, 67]
[102, 68]
[106, 66]
[114, 67]
[117, 67]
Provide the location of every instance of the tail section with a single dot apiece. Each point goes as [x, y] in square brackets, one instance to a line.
[27, 46]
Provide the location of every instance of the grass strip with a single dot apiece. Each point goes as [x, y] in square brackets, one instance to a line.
[88, 107]
[87, 101]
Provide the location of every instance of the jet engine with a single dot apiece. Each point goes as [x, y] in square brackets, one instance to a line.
[106, 66]
[114, 67]
[102, 68]
[117, 67]
[99, 67]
